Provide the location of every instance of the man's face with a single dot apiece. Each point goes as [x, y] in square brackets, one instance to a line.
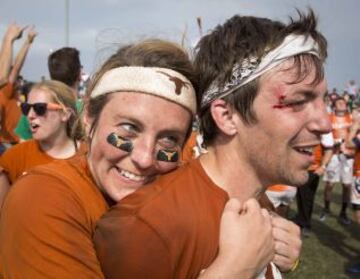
[340, 106]
[290, 120]
[333, 97]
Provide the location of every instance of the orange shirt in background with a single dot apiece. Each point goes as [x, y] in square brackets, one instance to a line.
[318, 153]
[23, 156]
[10, 114]
[48, 220]
[340, 130]
[340, 125]
[278, 188]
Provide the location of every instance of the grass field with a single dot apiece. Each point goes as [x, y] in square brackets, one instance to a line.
[331, 247]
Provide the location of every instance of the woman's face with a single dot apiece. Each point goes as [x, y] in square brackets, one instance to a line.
[137, 137]
[48, 125]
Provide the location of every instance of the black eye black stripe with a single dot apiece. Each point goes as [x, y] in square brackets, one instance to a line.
[120, 142]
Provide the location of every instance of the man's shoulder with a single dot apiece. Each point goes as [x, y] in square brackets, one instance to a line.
[175, 201]
[161, 192]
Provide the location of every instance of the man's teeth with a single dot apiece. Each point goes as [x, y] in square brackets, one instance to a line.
[132, 176]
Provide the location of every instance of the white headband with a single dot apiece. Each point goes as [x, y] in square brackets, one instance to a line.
[250, 68]
[161, 82]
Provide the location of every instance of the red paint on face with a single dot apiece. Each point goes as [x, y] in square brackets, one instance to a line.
[281, 103]
[281, 98]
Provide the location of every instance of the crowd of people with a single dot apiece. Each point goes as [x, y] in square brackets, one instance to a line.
[73, 167]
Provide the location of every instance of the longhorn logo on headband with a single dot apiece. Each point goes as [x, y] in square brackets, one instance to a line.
[179, 84]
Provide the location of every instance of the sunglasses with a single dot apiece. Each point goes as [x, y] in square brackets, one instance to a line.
[39, 108]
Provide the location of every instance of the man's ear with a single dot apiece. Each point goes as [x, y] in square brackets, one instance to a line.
[224, 117]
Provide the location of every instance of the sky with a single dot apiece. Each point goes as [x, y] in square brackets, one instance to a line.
[98, 27]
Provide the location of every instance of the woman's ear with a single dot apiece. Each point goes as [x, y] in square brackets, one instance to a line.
[67, 112]
[87, 120]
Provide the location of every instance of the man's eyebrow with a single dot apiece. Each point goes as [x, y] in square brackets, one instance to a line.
[308, 94]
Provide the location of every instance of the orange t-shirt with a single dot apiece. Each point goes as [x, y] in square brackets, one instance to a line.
[169, 229]
[10, 114]
[48, 220]
[340, 131]
[23, 156]
[340, 125]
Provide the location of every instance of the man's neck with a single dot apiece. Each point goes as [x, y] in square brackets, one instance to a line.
[230, 171]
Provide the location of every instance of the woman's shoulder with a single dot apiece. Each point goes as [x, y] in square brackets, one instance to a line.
[22, 146]
[18, 154]
[59, 183]
[67, 170]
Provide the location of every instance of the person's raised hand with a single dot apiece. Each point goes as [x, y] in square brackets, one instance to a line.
[31, 34]
[14, 31]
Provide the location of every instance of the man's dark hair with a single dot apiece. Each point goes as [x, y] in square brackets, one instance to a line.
[64, 65]
[242, 37]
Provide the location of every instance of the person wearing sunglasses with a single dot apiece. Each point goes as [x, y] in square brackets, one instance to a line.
[64, 65]
[39, 108]
[52, 115]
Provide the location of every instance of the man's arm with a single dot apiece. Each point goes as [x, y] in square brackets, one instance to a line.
[13, 33]
[20, 57]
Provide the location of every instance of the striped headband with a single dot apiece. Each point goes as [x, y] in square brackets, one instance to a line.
[160, 82]
[253, 67]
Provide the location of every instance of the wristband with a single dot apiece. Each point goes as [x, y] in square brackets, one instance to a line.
[295, 265]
